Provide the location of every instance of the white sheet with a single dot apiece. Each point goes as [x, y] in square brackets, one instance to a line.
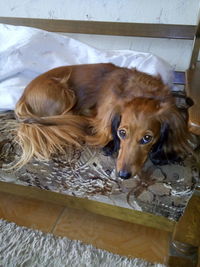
[27, 52]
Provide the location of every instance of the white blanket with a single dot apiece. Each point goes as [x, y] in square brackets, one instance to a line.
[27, 52]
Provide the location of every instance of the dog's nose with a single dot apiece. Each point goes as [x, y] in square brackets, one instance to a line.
[124, 174]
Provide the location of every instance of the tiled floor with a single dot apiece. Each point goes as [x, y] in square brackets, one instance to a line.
[103, 232]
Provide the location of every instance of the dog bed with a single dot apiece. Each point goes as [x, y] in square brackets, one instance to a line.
[84, 172]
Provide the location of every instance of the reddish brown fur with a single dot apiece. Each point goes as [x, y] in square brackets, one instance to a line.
[76, 104]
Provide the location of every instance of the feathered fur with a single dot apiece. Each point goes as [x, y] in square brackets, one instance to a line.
[78, 104]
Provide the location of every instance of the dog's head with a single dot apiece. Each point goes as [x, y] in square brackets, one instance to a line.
[148, 124]
[144, 120]
[148, 127]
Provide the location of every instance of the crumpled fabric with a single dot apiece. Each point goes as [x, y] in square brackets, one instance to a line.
[26, 52]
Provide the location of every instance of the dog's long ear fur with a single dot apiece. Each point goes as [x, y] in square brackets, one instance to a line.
[158, 155]
[175, 137]
[114, 145]
[106, 121]
[157, 152]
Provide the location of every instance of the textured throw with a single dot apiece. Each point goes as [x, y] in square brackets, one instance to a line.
[87, 173]
[25, 247]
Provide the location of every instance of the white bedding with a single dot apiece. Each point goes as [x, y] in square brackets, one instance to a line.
[27, 52]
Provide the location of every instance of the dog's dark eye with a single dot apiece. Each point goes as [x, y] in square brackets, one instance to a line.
[121, 133]
[146, 139]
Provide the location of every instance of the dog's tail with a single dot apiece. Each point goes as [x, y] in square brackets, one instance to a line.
[46, 122]
[42, 137]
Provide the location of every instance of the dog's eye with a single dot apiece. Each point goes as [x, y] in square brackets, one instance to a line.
[122, 134]
[146, 139]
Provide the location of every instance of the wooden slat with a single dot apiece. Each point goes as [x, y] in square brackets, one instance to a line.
[107, 28]
[29, 212]
[116, 212]
[116, 236]
[193, 91]
[196, 46]
[187, 230]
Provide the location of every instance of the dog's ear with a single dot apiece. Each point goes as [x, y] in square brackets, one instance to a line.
[179, 138]
[157, 152]
[115, 124]
[114, 145]
[158, 155]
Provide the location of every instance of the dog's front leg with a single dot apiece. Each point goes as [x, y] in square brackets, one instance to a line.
[114, 145]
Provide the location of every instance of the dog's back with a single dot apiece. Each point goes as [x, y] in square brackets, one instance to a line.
[55, 107]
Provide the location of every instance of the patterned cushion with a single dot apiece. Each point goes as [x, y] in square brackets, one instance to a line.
[86, 172]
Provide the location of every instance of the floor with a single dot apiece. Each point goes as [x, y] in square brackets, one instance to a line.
[103, 232]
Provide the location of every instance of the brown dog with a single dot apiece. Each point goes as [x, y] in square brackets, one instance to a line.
[126, 111]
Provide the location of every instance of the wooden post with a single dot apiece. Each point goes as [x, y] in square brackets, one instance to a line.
[196, 46]
[183, 250]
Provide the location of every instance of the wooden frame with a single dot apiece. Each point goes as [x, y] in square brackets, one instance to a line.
[107, 28]
[116, 212]
[186, 231]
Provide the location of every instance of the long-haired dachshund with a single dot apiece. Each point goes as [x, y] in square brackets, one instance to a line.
[129, 113]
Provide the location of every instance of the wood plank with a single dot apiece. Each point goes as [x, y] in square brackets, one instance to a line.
[29, 212]
[117, 212]
[113, 235]
[193, 91]
[107, 28]
[187, 230]
[196, 46]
